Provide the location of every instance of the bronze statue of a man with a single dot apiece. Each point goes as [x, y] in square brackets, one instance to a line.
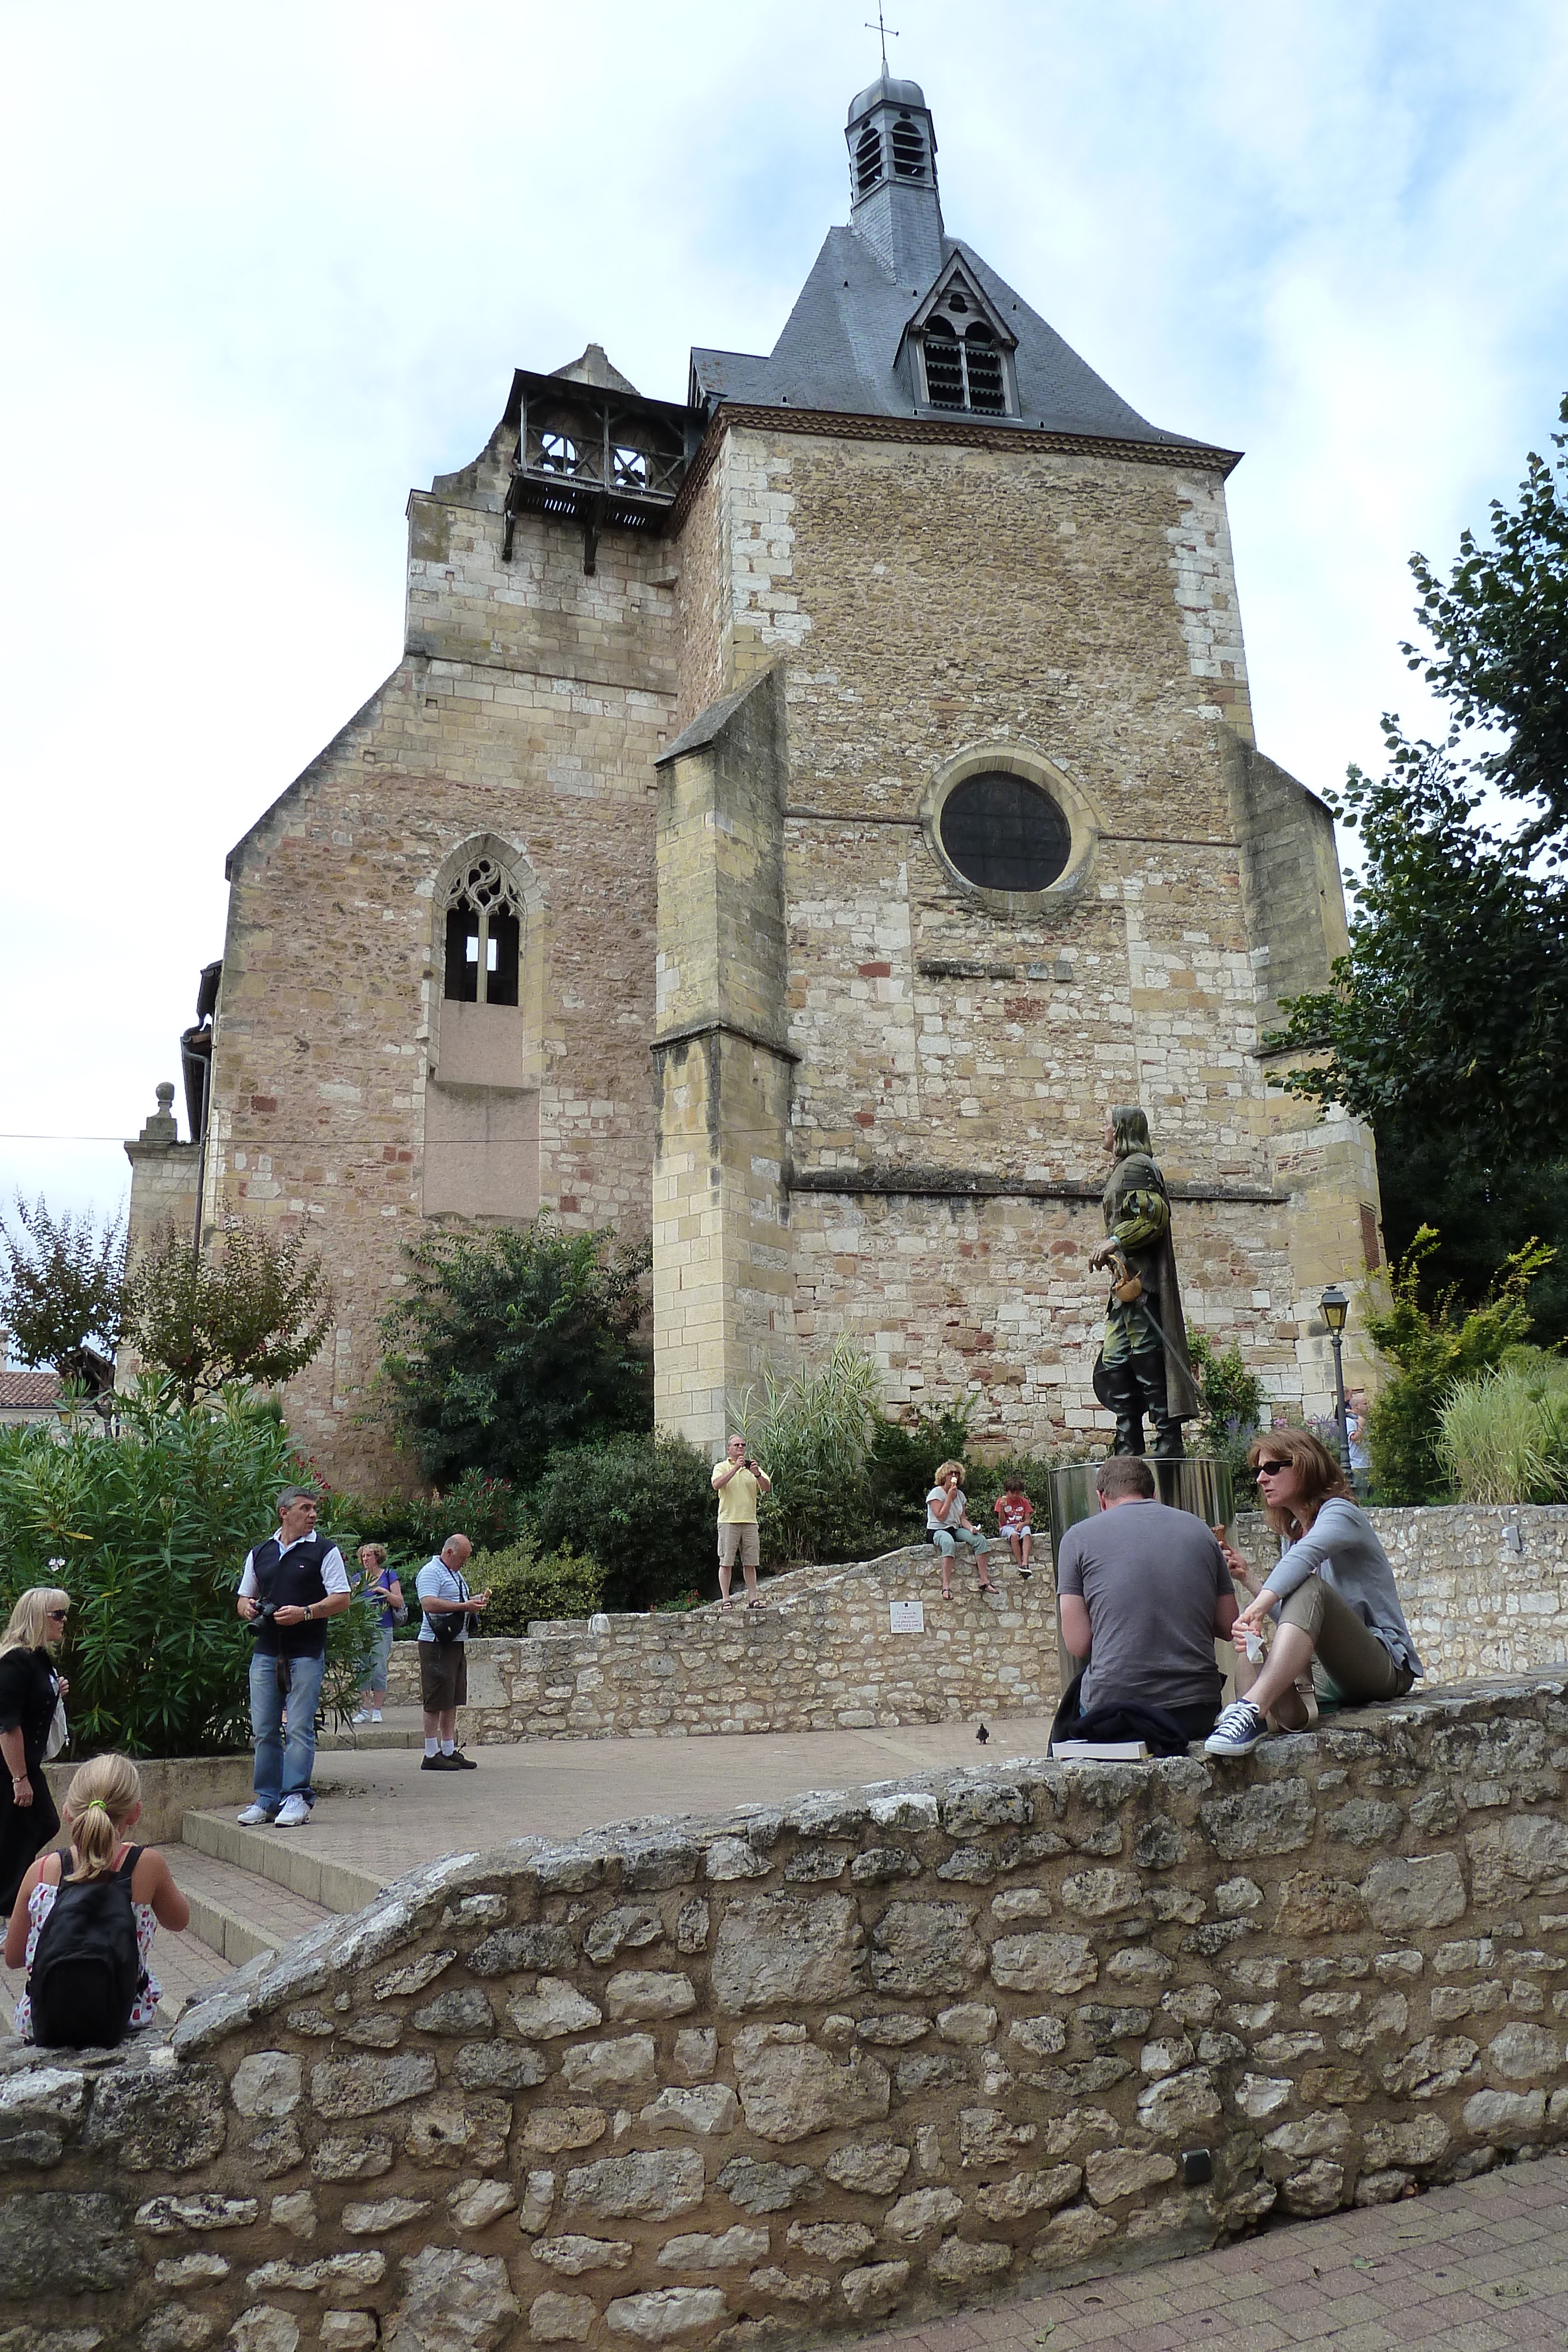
[1144, 1366]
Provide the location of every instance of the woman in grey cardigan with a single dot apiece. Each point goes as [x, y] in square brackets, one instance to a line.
[1333, 1587]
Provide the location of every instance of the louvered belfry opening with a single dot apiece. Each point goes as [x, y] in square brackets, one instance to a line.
[868, 160]
[908, 149]
[964, 366]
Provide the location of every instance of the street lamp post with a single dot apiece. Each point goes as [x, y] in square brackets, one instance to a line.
[1335, 1305]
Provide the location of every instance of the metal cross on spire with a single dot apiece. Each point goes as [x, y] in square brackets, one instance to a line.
[884, 28]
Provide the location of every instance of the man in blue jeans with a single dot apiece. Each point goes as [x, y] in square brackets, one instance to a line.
[291, 1584]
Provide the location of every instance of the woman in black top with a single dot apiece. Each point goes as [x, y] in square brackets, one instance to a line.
[28, 1689]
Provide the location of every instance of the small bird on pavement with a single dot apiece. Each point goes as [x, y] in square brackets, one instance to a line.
[983, 1736]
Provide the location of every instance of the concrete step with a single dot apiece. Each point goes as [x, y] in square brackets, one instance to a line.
[401, 1726]
[234, 1912]
[282, 1857]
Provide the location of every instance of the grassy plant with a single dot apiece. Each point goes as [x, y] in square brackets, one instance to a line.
[1504, 1436]
[814, 1436]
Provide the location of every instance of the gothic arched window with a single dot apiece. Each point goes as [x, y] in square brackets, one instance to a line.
[483, 937]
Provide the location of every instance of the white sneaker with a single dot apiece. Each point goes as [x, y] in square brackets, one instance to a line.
[375, 1715]
[1239, 1731]
[254, 1817]
[295, 1812]
[364, 1715]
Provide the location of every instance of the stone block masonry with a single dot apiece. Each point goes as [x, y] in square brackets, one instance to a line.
[863, 2057]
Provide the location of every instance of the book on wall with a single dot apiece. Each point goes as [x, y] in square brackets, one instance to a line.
[1101, 1751]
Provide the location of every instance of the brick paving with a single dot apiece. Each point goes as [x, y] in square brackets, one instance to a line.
[1479, 2267]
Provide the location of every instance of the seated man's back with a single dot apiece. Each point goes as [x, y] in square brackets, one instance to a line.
[1150, 1589]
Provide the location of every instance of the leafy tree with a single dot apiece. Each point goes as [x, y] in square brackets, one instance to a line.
[256, 1312]
[1434, 1346]
[1449, 1014]
[508, 1344]
[62, 1289]
[1499, 626]
[152, 1527]
[1483, 1206]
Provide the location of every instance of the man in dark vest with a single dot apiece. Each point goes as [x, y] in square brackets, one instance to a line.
[291, 1585]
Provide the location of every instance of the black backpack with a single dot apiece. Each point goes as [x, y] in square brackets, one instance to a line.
[87, 1966]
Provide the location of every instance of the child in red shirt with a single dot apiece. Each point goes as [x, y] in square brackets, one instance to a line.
[1014, 1511]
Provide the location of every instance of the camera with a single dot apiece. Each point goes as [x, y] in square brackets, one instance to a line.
[263, 1612]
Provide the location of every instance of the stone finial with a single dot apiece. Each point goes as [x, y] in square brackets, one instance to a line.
[163, 1128]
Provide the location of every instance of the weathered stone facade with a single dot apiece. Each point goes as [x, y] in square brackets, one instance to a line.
[877, 1091]
[864, 2056]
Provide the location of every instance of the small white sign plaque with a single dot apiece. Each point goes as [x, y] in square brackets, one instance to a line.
[906, 1616]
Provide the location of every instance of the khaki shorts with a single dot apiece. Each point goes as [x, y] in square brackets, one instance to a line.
[443, 1676]
[738, 1534]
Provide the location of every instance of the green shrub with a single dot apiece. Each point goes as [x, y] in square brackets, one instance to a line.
[1504, 1436]
[154, 1527]
[1434, 1346]
[1232, 1400]
[642, 1508]
[524, 1587]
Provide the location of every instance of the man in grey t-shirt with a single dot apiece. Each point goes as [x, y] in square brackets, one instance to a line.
[1144, 1591]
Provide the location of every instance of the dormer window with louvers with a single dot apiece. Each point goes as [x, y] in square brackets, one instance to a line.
[960, 350]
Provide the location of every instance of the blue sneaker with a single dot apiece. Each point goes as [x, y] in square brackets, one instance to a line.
[1237, 1732]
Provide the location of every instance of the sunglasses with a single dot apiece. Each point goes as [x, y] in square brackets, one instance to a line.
[59, 1614]
[1271, 1469]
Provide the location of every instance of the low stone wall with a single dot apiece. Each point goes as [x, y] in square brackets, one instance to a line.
[820, 1655]
[810, 2068]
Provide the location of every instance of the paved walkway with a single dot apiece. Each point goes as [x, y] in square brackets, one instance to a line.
[1482, 2267]
[558, 1788]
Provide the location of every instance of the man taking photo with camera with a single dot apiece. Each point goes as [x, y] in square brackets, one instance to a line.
[291, 1585]
[738, 1481]
[450, 1614]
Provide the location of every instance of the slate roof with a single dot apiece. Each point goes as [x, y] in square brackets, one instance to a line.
[839, 345]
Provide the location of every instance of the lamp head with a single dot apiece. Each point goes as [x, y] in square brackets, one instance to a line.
[1335, 1305]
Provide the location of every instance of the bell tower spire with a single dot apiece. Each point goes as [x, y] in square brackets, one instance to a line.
[894, 203]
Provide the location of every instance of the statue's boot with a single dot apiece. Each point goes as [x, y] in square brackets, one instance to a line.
[1168, 1445]
[1122, 1394]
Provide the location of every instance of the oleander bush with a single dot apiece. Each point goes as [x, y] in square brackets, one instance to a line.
[151, 1528]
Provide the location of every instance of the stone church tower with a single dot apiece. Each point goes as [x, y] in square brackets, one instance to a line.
[797, 812]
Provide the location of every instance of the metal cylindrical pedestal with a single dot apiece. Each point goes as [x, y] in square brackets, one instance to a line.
[1198, 1485]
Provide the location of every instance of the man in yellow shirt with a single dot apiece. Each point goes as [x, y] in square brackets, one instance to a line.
[738, 1481]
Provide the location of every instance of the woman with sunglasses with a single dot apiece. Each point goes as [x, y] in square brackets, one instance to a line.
[1332, 1586]
[30, 1687]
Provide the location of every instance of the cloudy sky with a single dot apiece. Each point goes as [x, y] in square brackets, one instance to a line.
[268, 267]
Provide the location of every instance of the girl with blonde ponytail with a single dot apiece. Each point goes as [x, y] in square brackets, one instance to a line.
[94, 1880]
